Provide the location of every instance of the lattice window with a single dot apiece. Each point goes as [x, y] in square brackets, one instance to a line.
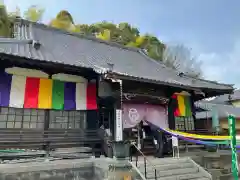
[184, 123]
[67, 119]
[34, 118]
[21, 118]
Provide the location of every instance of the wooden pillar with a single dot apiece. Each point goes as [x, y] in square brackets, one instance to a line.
[46, 146]
[215, 120]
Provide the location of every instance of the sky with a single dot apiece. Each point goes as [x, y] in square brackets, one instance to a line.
[210, 28]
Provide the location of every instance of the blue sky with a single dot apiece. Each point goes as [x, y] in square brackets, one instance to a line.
[211, 28]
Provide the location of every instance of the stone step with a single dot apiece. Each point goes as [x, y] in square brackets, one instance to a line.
[70, 155]
[226, 177]
[172, 172]
[163, 167]
[189, 176]
[172, 169]
[163, 161]
[74, 150]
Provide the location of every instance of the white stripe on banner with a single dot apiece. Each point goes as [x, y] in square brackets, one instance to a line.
[81, 96]
[17, 91]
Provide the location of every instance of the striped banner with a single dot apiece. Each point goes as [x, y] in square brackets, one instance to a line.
[183, 105]
[31, 92]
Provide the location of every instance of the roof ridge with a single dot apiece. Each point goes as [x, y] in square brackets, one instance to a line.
[78, 35]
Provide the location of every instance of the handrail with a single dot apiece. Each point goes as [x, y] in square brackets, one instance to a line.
[143, 155]
[138, 171]
[153, 166]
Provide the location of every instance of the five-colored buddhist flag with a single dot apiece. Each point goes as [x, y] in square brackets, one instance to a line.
[183, 108]
[30, 92]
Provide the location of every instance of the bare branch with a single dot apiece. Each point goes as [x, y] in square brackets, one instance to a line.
[180, 57]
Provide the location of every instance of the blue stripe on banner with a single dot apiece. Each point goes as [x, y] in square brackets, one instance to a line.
[5, 88]
[69, 96]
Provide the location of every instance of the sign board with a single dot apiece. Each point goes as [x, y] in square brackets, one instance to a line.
[119, 125]
[174, 141]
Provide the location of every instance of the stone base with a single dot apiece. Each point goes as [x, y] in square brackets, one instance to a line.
[71, 169]
[53, 170]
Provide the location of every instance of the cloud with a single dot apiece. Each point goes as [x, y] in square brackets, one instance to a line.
[223, 67]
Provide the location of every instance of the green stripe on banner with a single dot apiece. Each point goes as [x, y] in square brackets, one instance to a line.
[187, 106]
[58, 95]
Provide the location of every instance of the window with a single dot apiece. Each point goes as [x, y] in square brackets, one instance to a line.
[67, 119]
[34, 118]
[21, 118]
[184, 123]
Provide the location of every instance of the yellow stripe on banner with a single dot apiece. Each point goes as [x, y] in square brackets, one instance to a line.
[198, 136]
[181, 105]
[45, 94]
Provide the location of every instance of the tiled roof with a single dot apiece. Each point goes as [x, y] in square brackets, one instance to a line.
[224, 99]
[222, 109]
[77, 50]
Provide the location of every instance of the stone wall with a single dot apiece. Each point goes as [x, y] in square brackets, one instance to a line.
[81, 169]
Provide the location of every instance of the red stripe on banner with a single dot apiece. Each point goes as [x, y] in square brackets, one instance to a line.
[91, 96]
[177, 113]
[31, 92]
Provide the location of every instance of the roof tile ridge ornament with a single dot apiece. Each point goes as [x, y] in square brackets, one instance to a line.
[100, 70]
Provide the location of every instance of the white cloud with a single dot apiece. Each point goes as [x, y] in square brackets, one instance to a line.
[223, 67]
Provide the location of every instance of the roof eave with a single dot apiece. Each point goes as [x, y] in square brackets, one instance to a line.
[228, 89]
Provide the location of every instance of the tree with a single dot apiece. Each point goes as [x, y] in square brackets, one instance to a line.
[127, 33]
[63, 21]
[180, 57]
[153, 47]
[5, 23]
[86, 29]
[105, 35]
[34, 13]
[110, 27]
